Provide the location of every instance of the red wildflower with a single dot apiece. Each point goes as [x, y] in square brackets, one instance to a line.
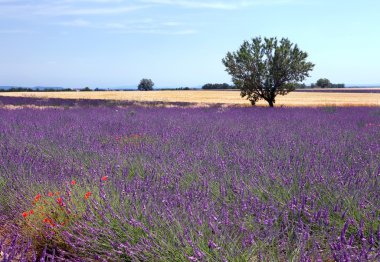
[87, 195]
[104, 178]
[25, 214]
[49, 221]
[31, 212]
[73, 182]
[60, 201]
[37, 197]
[50, 194]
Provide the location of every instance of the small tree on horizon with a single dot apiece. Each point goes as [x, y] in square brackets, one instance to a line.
[323, 82]
[265, 68]
[145, 85]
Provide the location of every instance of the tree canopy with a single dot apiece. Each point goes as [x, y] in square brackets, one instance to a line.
[325, 83]
[218, 86]
[265, 68]
[145, 85]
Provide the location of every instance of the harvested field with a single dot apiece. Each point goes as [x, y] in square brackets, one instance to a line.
[295, 99]
[375, 90]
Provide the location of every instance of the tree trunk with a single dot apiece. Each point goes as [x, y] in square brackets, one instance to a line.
[271, 104]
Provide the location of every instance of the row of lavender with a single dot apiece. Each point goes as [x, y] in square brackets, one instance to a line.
[66, 103]
[204, 184]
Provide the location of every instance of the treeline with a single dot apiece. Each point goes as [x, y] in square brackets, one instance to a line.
[320, 84]
[325, 83]
[218, 86]
[329, 86]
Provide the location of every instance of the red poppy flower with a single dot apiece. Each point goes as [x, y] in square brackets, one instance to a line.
[37, 197]
[25, 214]
[87, 195]
[49, 221]
[31, 212]
[60, 201]
[50, 194]
[73, 182]
[104, 178]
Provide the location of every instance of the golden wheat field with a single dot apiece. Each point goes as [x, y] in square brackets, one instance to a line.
[295, 99]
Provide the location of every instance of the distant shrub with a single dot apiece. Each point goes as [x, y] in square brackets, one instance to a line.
[325, 83]
[218, 86]
[145, 85]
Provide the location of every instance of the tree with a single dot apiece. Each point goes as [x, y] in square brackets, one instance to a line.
[86, 89]
[217, 86]
[265, 68]
[145, 85]
[323, 82]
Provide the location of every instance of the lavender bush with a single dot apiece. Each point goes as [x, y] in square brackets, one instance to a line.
[194, 184]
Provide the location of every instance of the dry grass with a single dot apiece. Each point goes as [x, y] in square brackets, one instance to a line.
[216, 97]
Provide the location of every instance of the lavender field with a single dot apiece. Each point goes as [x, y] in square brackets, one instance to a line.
[108, 183]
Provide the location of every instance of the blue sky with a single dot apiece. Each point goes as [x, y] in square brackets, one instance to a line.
[112, 43]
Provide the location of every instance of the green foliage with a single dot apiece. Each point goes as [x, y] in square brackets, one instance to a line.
[265, 68]
[325, 83]
[2, 190]
[145, 85]
[218, 86]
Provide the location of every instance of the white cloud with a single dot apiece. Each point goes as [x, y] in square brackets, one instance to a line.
[72, 11]
[161, 32]
[222, 5]
[171, 23]
[76, 23]
[15, 31]
[23, 9]
[100, 14]
[144, 26]
[194, 4]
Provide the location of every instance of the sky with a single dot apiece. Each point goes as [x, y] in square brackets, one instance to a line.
[178, 43]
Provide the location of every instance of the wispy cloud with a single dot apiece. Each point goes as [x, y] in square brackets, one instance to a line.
[15, 31]
[88, 24]
[194, 4]
[73, 11]
[114, 7]
[160, 31]
[76, 23]
[144, 26]
[24, 8]
[222, 5]
[103, 14]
